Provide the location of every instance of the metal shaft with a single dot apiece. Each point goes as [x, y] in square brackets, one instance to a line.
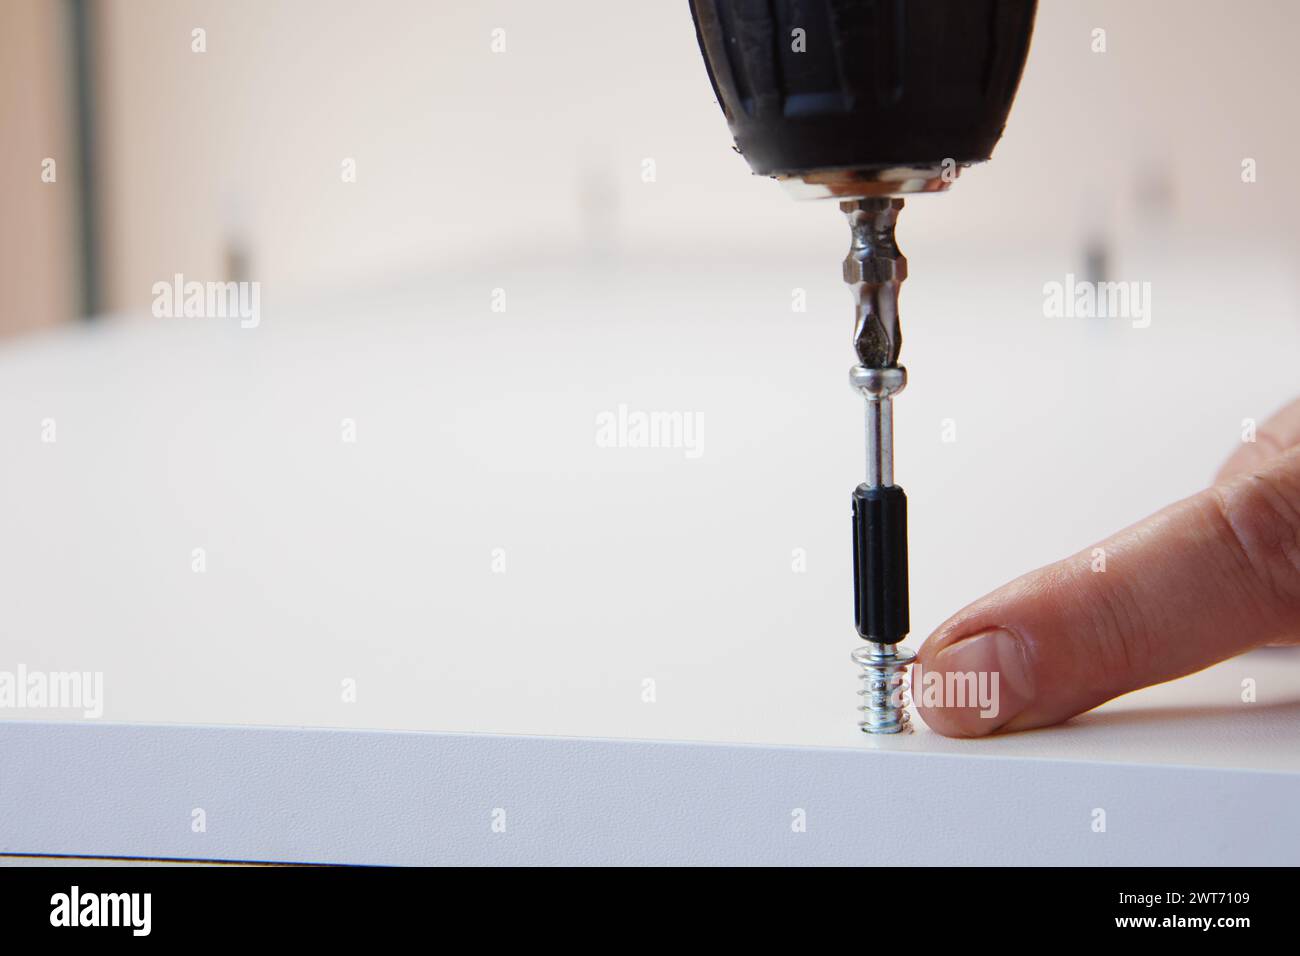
[880, 443]
[875, 270]
[879, 386]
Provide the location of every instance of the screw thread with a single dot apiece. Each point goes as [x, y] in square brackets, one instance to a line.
[884, 688]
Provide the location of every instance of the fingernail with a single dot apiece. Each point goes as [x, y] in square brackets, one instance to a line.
[992, 664]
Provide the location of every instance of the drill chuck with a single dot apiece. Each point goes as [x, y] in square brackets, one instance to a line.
[816, 85]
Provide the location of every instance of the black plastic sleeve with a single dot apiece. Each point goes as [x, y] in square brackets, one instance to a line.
[880, 564]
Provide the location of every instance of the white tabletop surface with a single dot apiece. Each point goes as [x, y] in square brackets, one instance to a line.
[373, 561]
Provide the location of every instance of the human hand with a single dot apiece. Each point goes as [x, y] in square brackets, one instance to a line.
[1201, 581]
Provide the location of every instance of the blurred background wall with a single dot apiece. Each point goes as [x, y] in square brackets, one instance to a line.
[39, 256]
[229, 159]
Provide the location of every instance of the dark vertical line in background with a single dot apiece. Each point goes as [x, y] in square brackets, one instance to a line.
[83, 71]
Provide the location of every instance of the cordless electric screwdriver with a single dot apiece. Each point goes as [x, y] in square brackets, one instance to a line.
[867, 101]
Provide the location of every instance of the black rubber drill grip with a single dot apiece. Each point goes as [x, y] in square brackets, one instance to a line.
[880, 563]
[824, 84]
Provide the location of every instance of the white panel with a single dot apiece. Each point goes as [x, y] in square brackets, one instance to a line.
[385, 798]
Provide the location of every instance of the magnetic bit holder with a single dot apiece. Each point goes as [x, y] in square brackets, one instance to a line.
[874, 270]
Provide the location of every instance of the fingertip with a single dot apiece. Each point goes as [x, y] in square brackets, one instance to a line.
[975, 685]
